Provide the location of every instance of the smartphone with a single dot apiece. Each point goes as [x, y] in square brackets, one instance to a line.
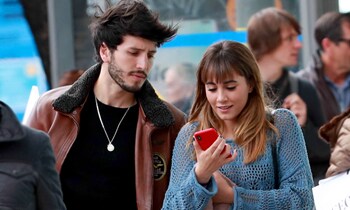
[206, 137]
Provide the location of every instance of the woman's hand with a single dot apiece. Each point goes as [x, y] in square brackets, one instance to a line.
[225, 192]
[210, 160]
[294, 103]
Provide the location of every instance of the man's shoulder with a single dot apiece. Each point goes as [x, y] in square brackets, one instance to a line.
[47, 98]
[55, 93]
[178, 114]
[305, 72]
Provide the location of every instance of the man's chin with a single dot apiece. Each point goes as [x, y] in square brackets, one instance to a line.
[132, 89]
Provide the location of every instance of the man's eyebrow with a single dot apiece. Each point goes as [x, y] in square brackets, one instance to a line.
[139, 49]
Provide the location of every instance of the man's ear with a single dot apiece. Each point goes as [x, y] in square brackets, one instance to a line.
[105, 53]
[326, 43]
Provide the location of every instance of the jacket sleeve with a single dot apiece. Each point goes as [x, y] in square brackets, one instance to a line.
[49, 194]
[318, 150]
[340, 156]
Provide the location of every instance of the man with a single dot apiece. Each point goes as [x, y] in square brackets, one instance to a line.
[112, 135]
[180, 80]
[329, 71]
[28, 179]
[273, 39]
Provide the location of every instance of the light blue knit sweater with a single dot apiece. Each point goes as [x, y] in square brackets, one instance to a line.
[255, 181]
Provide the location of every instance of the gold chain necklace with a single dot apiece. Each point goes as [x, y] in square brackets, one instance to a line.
[110, 146]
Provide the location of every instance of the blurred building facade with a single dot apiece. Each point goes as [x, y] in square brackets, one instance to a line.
[61, 34]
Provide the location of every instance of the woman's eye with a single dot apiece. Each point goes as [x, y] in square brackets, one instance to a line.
[231, 88]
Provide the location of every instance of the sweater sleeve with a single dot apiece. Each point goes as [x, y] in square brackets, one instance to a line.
[184, 192]
[294, 174]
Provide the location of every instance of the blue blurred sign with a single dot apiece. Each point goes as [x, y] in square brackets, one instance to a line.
[20, 64]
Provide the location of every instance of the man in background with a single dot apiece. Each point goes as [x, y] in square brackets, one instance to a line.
[180, 80]
[273, 39]
[329, 70]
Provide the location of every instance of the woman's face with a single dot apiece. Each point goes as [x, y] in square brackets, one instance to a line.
[229, 97]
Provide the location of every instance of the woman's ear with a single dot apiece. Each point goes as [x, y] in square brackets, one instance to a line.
[251, 87]
[104, 53]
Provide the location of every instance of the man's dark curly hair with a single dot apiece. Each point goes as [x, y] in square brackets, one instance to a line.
[128, 17]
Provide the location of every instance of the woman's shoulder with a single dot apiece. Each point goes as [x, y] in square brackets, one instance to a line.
[284, 116]
[280, 112]
[189, 127]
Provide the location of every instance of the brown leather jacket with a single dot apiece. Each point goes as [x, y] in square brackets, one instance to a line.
[58, 114]
[337, 133]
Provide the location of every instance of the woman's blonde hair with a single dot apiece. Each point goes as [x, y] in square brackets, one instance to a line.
[219, 62]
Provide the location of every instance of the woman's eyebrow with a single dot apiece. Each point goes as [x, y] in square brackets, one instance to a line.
[225, 82]
[230, 81]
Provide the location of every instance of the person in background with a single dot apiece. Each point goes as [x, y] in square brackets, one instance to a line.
[180, 85]
[269, 167]
[112, 135]
[69, 77]
[329, 69]
[337, 133]
[273, 39]
[28, 176]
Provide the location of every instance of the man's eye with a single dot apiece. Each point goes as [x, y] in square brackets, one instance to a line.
[133, 53]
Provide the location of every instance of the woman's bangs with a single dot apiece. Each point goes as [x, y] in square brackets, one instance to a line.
[217, 71]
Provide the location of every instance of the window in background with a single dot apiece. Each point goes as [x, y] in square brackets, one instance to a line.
[203, 22]
[20, 64]
[344, 5]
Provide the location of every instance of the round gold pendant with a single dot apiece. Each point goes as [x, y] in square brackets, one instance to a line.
[110, 147]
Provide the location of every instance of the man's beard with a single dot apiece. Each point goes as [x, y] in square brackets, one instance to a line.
[116, 74]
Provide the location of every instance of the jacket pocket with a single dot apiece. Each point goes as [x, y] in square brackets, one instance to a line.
[17, 186]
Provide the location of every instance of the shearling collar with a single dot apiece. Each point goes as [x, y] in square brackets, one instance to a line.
[10, 128]
[155, 109]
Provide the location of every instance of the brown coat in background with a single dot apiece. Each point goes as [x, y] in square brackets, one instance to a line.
[337, 133]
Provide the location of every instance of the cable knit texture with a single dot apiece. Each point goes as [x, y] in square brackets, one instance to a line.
[255, 181]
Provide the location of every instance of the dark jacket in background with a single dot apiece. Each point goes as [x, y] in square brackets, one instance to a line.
[28, 178]
[318, 150]
[315, 75]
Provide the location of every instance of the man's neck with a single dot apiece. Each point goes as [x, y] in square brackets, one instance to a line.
[334, 72]
[110, 93]
[270, 70]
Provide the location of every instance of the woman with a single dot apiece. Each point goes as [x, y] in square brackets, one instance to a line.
[28, 178]
[269, 168]
[337, 133]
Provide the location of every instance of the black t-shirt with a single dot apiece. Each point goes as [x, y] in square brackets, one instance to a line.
[91, 176]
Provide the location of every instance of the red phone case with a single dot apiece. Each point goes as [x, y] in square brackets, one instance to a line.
[206, 137]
